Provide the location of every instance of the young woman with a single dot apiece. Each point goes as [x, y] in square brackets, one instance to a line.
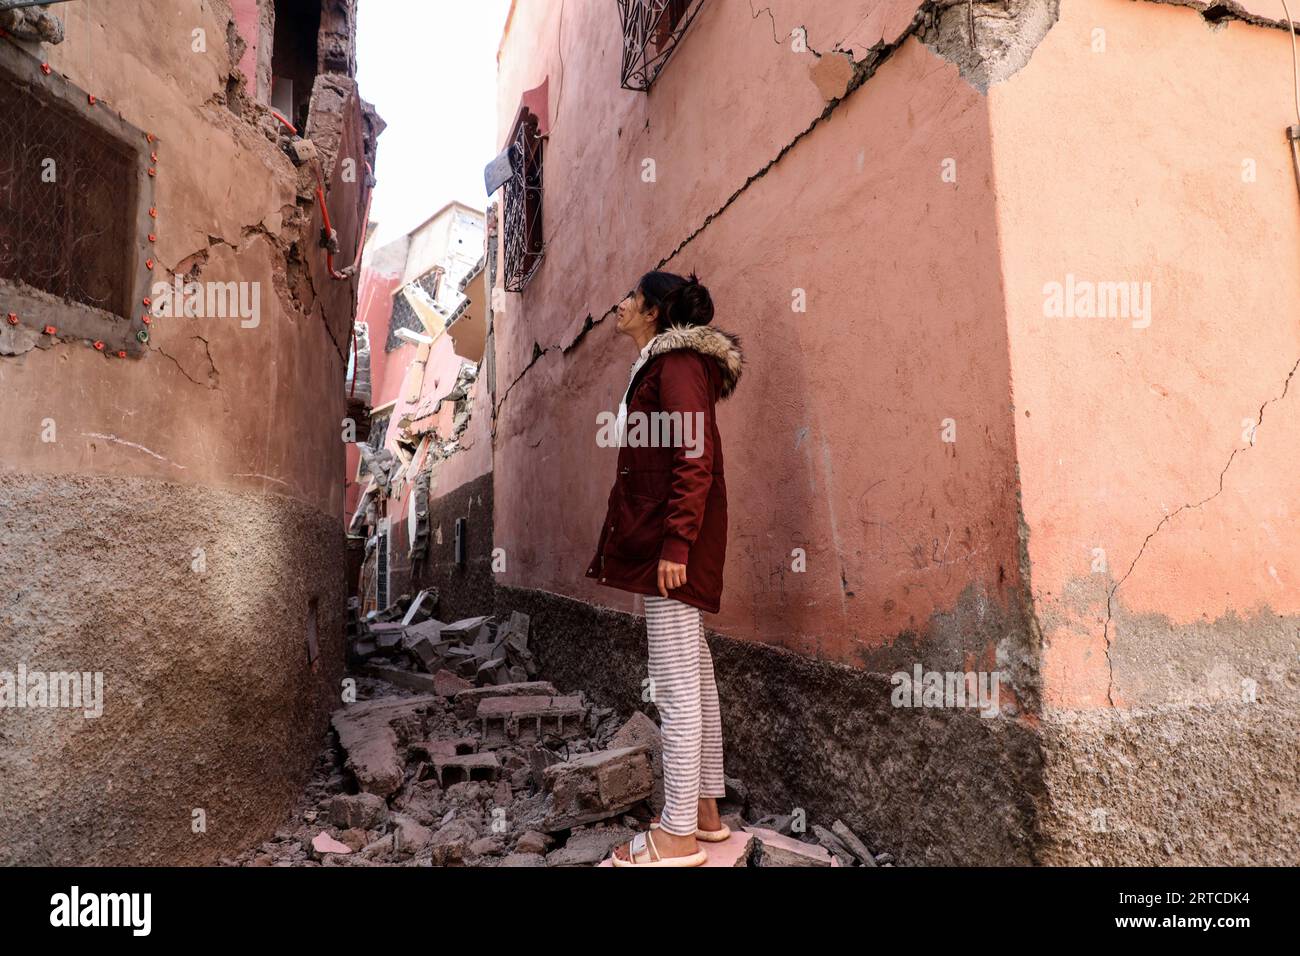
[665, 536]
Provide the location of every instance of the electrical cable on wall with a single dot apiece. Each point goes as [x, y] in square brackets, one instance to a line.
[1293, 132]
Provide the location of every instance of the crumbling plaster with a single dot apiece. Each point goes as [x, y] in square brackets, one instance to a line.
[223, 439]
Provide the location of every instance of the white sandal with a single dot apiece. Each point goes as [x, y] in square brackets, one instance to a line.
[644, 844]
[707, 836]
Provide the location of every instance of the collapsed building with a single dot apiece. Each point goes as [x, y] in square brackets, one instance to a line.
[424, 314]
[169, 493]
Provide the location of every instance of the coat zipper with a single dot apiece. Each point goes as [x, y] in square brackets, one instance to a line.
[622, 471]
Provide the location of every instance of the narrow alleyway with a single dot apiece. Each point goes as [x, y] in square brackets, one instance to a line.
[430, 768]
[321, 460]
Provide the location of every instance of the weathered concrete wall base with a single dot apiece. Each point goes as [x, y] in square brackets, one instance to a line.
[1213, 784]
[931, 786]
[209, 701]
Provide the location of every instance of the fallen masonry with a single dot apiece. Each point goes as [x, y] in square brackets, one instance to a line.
[444, 761]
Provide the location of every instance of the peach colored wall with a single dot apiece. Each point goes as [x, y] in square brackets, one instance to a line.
[212, 401]
[474, 458]
[181, 533]
[833, 440]
[1133, 170]
[389, 371]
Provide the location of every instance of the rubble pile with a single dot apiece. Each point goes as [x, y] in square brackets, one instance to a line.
[407, 646]
[453, 754]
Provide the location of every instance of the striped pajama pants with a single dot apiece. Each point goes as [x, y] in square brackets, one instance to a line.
[682, 687]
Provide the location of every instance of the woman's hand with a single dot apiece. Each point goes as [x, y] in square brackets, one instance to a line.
[671, 575]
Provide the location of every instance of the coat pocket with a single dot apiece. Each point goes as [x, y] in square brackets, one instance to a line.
[639, 527]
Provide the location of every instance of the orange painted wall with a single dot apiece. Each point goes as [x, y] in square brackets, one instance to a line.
[1133, 170]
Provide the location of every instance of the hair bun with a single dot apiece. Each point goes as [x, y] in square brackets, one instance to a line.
[692, 303]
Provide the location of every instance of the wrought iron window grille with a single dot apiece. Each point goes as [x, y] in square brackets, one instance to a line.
[523, 206]
[77, 214]
[651, 31]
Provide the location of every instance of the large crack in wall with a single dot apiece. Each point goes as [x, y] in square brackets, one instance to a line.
[999, 38]
[1110, 597]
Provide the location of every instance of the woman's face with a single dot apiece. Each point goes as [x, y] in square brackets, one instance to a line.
[633, 318]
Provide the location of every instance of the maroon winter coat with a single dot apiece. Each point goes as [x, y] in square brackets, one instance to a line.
[665, 503]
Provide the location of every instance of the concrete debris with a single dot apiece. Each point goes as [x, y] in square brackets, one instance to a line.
[776, 849]
[850, 840]
[32, 24]
[365, 811]
[515, 719]
[458, 769]
[513, 774]
[368, 737]
[588, 847]
[417, 610]
[302, 151]
[478, 650]
[467, 702]
[595, 786]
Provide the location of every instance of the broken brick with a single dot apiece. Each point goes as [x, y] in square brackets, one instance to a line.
[777, 849]
[595, 786]
[507, 720]
[463, 768]
[363, 810]
[467, 701]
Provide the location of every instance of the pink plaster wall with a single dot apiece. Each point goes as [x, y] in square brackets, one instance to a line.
[375, 310]
[833, 440]
[247, 18]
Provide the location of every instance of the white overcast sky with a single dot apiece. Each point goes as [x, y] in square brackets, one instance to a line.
[430, 68]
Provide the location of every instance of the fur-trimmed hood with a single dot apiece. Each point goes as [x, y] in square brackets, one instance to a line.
[722, 347]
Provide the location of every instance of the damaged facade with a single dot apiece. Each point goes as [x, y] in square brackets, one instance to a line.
[424, 311]
[170, 476]
[932, 466]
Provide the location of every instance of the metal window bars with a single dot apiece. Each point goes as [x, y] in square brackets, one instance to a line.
[651, 31]
[523, 206]
[66, 203]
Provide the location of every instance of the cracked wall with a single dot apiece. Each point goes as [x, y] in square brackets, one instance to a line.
[990, 40]
[220, 445]
[1156, 457]
[833, 441]
[1159, 443]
